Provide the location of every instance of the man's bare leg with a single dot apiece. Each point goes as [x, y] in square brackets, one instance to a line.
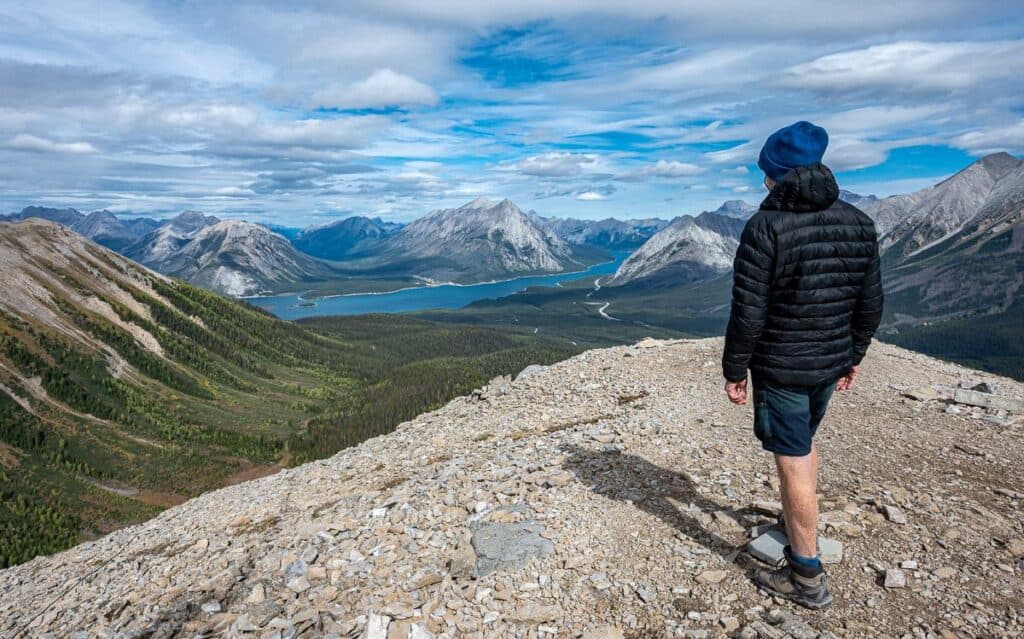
[798, 481]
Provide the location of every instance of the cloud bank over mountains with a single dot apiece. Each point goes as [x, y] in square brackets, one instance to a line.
[258, 110]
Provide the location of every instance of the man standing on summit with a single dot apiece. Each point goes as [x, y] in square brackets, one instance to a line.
[806, 300]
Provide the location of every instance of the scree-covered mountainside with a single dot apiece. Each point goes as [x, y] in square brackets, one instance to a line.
[609, 495]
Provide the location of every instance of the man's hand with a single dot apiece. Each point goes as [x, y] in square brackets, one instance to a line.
[737, 391]
[846, 381]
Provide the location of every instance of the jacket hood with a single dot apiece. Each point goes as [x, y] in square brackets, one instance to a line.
[804, 189]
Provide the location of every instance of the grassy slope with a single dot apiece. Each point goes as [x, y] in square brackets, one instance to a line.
[239, 393]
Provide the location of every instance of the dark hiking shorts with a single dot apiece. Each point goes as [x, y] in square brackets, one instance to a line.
[786, 417]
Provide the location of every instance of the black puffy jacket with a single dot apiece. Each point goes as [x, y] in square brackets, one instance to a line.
[807, 291]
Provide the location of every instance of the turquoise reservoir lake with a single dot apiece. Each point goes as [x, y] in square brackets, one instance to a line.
[291, 307]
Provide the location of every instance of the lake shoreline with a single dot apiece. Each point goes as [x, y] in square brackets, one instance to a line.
[430, 295]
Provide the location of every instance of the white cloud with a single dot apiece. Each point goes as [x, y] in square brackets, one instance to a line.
[664, 169]
[383, 88]
[555, 164]
[996, 138]
[35, 144]
[590, 196]
[910, 66]
[849, 153]
[739, 153]
[875, 120]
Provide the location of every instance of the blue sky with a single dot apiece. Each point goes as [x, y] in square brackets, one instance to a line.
[648, 108]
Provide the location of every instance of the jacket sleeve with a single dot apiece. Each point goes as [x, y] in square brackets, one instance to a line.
[752, 279]
[867, 314]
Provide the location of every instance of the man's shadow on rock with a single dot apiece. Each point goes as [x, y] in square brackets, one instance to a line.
[652, 489]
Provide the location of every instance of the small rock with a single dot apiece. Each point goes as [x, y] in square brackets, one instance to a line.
[536, 613]
[258, 594]
[769, 547]
[970, 450]
[1012, 494]
[604, 632]
[921, 393]
[297, 568]
[1015, 547]
[770, 508]
[244, 624]
[419, 632]
[830, 550]
[422, 580]
[376, 627]
[944, 572]
[712, 576]
[646, 593]
[298, 584]
[895, 578]
[895, 515]
[399, 630]
[211, 606]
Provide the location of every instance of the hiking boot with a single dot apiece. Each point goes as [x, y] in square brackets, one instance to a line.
[803, 585]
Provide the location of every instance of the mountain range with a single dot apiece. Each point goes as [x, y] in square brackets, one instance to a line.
[610, 233]
[478, 241]
[949, 250]
[102, 226]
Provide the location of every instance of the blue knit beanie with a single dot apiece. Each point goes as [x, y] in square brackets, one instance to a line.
[798, 144]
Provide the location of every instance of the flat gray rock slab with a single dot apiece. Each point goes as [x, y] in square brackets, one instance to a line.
[769, 547]
[501, 546]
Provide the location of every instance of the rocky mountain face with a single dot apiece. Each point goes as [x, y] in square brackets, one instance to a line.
[477, 241]
[241, 258]
[687, 250]
[610, 233]
[604, 497]
[103, 227]
[856, 199]
[736, 208]
[345, 238]
[910, 223]
[164, 242]
[123, 391]
[228, 256]
[976, 266]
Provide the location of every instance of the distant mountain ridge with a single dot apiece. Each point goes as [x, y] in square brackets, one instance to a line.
[480, 240]
[343, 238]
[228, 256]
[101, 226]
[610, 233]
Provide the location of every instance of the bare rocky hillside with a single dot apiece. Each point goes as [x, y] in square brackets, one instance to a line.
[606, 496]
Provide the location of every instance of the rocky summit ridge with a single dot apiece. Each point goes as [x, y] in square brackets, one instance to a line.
[605, 496]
